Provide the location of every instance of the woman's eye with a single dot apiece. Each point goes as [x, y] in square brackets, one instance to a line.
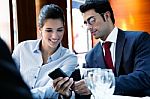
[59, 30]
[48, 30]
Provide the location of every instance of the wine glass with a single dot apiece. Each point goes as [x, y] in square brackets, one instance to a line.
[106, 82]
[89, 77]
[101, 82]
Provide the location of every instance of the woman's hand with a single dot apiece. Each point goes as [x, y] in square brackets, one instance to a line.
[62, 85]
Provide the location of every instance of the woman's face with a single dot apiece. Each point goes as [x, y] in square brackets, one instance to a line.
[52, 33]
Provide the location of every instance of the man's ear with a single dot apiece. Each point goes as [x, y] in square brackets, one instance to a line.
[107, 15]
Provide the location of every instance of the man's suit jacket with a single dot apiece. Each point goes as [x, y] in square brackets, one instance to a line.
[132, 62]
[11, 83]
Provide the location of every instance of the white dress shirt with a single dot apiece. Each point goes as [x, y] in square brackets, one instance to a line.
[112, 37]
[28, 58]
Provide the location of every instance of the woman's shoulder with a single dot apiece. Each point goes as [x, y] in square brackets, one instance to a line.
[67, 51]
[28, 43]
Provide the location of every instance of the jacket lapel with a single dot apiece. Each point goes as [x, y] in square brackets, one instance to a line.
[99, 56]
[119, 49]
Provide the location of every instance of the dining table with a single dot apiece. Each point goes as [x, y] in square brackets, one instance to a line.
[122, 97]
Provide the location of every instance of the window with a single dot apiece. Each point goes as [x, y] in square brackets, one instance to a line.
[5, 22]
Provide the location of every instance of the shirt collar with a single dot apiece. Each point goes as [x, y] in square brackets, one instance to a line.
[112, 37]
[57, 53]
[54, 56]
[37, 46]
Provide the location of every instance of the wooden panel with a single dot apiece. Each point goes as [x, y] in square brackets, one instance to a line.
[132, 14]
[26, 19]
[11, 25]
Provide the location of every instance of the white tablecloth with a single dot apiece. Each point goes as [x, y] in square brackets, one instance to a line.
[122, 97]
[125, 97]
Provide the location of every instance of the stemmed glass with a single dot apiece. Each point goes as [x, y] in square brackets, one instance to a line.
[101, 82]
[106, 82]
[89, 78]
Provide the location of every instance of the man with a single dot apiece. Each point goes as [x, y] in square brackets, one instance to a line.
[129, 51]
[11, 83]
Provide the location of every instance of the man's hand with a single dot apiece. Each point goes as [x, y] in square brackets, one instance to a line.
[62, 85]
[81, 88]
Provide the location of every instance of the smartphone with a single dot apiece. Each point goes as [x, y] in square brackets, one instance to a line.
[57, 73]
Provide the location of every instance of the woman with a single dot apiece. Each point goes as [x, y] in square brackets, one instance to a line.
[37, 58]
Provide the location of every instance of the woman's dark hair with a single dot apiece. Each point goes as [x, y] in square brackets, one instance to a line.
[99, 6]
[50, 11]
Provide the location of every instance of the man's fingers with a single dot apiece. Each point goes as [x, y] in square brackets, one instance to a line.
[79, 85]
[81, 88]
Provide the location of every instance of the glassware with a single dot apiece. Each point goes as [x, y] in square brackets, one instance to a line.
[106, 82]
[101, 82]
[91, 79]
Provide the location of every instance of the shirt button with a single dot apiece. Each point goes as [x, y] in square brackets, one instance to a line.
[35, 77]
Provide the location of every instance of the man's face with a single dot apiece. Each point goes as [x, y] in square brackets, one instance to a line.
[96, 24]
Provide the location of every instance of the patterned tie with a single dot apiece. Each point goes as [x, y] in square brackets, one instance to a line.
[107, 57]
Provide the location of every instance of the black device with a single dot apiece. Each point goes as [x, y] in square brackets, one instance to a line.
[57, 73]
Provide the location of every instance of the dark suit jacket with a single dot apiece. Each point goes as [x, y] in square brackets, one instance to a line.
[11, 83]
[132, 63]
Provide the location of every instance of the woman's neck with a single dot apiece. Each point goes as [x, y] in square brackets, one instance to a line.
[46, 52]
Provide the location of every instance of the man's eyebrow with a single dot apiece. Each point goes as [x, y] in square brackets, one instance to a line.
[90, 17]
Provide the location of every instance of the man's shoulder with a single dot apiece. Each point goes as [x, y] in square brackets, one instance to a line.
[134, 33]
[95, 49]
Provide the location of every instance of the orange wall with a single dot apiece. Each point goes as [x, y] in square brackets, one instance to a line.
[132, 14]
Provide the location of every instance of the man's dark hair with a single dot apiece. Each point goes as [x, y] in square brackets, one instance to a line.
[100, 6]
